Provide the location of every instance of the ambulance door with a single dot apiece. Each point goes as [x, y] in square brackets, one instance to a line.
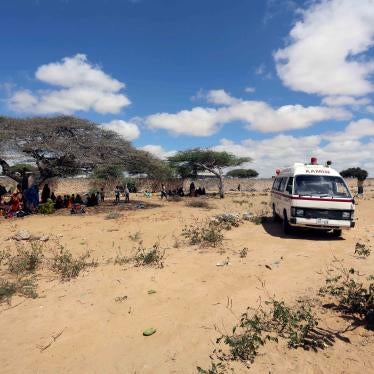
[282, 199]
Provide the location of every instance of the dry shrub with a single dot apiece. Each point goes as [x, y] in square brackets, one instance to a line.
[144, 257]
[197, 203]
[68, 267]
[206, 234]
[113, 215]
[22, 287]
[26, 259]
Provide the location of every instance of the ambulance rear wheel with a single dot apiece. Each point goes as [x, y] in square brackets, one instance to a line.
[287, 228]
[337, 233]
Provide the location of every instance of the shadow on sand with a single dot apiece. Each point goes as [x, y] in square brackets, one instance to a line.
[275, 229]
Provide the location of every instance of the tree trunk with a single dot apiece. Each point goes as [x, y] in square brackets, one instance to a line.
[7, 172]
[221, 185]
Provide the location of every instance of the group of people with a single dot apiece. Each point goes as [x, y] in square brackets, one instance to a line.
[194, 192]
[25, 200]
[72, 201]
[20, 202]
[117, 194]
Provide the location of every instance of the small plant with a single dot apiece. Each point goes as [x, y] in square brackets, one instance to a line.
[361, 250]
[297, 325]
[208, 234]
[26, 260]
[149, 257]
[240, 202]
[353, 296]
[260, 216]
[177, 242]
[68, 267]
[4, 255]
[7, 290]
[198, 204]
[47, 208]
[227, 220]
[135, 237]
[120, 299]
[113, 215]
[121, 260]
[215, 368]
[23, 287]
[243, 252]
[257, 220]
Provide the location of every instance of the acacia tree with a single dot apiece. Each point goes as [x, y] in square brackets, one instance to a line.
[63, 146]
[191, 161]
[242, 173]
[357, 173]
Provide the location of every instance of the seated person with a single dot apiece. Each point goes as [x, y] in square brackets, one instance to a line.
[78, 199]
[59, 204]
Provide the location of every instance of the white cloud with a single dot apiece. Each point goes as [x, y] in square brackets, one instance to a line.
[158, 151]
[345, 101]
[345, 149]
[220, 97]
[196, 122]
[325, 55]
[354, 131]
[130, 131]
[250, 89]
[262, 71]
[257, 115]
[80, 86]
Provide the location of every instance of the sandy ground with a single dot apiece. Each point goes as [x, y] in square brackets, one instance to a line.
[194, 297]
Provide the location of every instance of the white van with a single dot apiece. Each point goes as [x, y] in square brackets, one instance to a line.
[314, 196]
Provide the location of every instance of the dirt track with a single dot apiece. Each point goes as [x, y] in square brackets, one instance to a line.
[193, 295]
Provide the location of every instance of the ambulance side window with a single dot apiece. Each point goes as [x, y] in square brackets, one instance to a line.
[282, 184]
[276, 184]
[289, 185]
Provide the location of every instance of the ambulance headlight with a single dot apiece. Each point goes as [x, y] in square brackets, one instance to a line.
[299, 212]
[346, 215]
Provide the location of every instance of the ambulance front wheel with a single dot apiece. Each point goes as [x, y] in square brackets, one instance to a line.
[337, 233]
[287, 228]
[275, 215]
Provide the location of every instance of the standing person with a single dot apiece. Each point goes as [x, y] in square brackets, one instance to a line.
[102, 194]
[46, 193]
[239, 187]
[192, 189]
[163, 192]
[117, 194]
[127, 194]
[360, 187]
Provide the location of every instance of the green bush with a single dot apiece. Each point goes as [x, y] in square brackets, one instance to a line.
[297, 325]
[47, 208]
[353, 296]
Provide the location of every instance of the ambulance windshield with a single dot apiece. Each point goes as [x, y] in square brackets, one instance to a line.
[321, 186]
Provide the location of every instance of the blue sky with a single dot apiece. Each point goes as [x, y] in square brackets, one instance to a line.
[273, 80]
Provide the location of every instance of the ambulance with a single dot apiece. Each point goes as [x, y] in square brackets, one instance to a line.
[312, 196]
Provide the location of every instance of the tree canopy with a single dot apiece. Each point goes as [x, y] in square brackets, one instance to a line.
[189, 162]
[242, 173]
[63, 146]
[357, 173]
